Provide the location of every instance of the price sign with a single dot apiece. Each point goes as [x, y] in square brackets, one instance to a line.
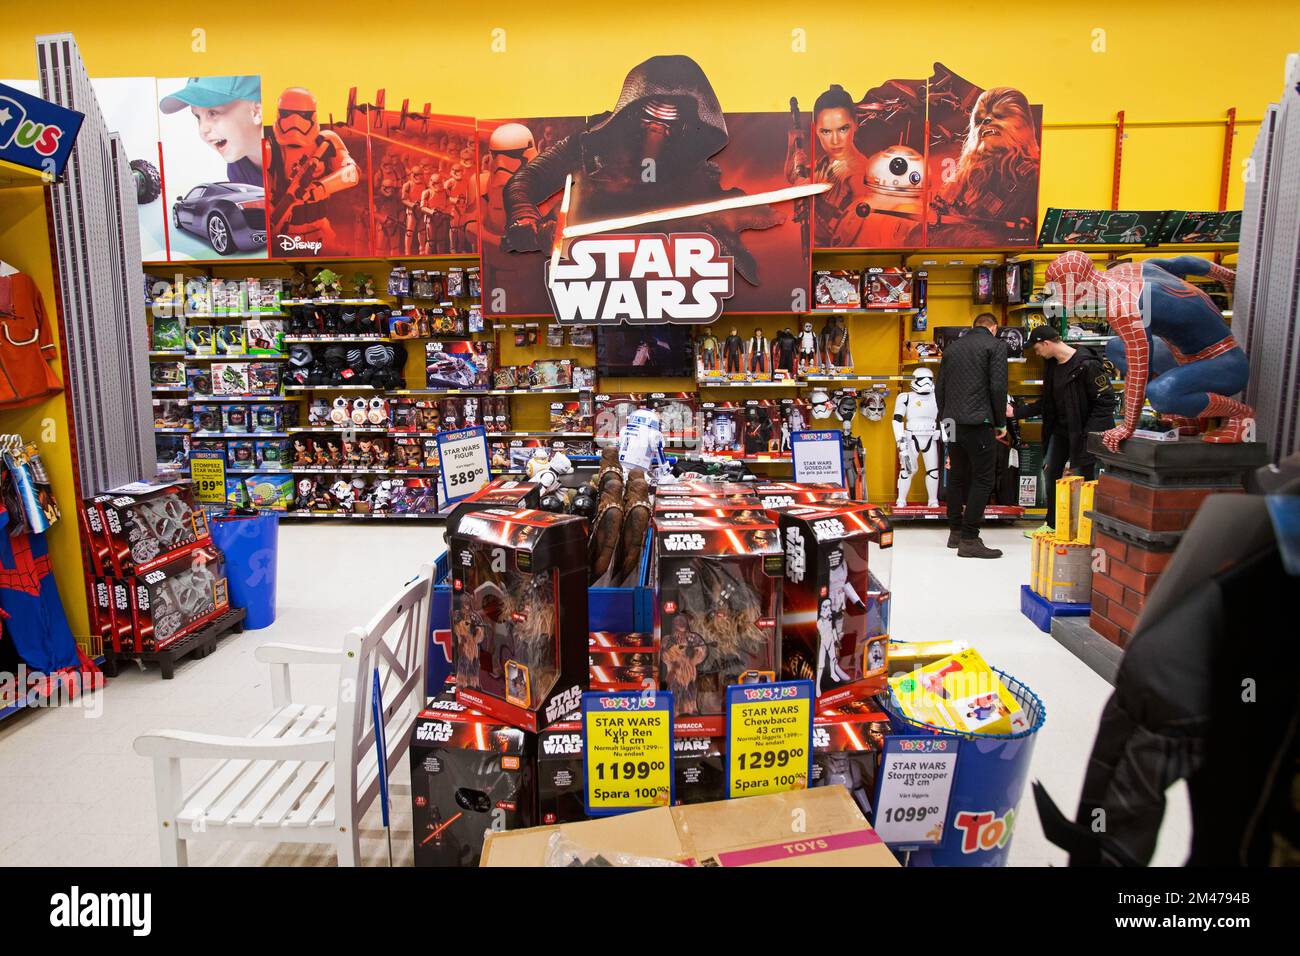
[463, 463]
[629, 750]
[769, 737]
[818, 457]
[916, 775]
[208, 475]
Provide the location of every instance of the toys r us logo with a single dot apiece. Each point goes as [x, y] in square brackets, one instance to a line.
[984, 831]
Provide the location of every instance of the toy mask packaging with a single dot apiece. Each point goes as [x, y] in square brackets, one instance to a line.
[887, 288]
[618, 661]
[960, 693]
[831, 622]
[149, 526]
[836, 289]
[560, 773]
[459, 364]
[469, 774]
[847, 743]
[519, 613]
[782, 494]
[717, 608]
[178, 596]
[699, 759]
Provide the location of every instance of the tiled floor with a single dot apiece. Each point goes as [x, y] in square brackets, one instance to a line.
[73, 792]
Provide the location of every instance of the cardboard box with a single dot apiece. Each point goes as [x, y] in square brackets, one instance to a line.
[618, 661]
[498, 493]
[148, 526]
[519, 613]
[1068, 578]
[783, 494]
[828, 630]
[754, 831]
[717, 608]
[178, 596]
[1067, 506]
[1087, 498]
[469, 773]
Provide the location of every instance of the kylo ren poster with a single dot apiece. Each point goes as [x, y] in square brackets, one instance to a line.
[666, 144]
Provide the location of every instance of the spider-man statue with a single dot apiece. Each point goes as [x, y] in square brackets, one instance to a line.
[1151, 300]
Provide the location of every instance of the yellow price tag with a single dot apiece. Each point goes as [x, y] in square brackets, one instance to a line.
[769, 737]
[208, 475]
[629, 750]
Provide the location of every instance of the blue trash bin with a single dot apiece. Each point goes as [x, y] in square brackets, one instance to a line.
[991, 774]
[249, 543]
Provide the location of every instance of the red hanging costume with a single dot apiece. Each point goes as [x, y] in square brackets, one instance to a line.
[26, 345]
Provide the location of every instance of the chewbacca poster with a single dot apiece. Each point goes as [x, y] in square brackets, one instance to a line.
[665, 143]
[982, 164]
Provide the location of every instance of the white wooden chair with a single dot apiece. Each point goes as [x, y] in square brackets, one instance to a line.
[310, 772]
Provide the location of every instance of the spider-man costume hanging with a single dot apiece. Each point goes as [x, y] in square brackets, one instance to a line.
[1152, 300]
[29, 602]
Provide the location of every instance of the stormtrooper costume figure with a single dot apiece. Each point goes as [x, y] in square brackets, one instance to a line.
[842, 593]
[807, 348]
[916, 432]
[828, 646]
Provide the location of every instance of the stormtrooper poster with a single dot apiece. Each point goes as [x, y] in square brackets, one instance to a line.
[317, 174]
[923, 163]
[664, 148]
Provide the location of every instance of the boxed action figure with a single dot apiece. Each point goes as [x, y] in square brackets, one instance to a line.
[519, 613]
[836, 289]
[561, 773]
[721, 428]
[847, 743]
[470, 773]
[783, 494]
[459, 364]
[887, 288]
[178, 596]
[551, 373]
[699, 759]
[618, 661]
[829, 632]
[717, 608]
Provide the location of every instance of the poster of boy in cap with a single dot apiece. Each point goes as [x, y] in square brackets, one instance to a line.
[211, 133]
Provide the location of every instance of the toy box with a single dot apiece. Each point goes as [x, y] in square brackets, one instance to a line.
[741, 508]
[847, 743]
[617, 661]
[887, 288]
[698, 488]
[782, 494]
[717, 608]
[171, 452]
[519, 613]
[230, 378]
[267, 418]
[198, 381]
[699, 759]
[168, 374]
[960, 693]
[498, 493]
[146, 526]
[167, 334]
[1067, 571]
[572, 416]
[229, 340]
[761, 434]
[905, 656]
[676, 415]
[1068, 490]
[267, 492]
[241, 454]
[101, 610]
[235, 418]
[178, 596]
[169, 413]
[264, 378]
[199, 340]
[561, 773]
[1087, 499]
[470, 773]
[459, 364]
[721, 428]
[795, 416]
[551, 373]
[836, 289]
[829, 632]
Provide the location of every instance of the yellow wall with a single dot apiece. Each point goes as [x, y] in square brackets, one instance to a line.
[25, 244]
[1157, 61]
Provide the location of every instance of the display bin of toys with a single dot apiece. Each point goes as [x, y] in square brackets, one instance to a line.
[622, 609]
[991, 772]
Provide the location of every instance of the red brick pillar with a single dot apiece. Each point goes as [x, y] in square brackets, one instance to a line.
[1147, 495]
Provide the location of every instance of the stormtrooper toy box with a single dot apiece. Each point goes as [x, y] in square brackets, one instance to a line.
[470, 773]
[833, 617]
[847, 742]
[519, 613]
[717, 608]
[176, 598]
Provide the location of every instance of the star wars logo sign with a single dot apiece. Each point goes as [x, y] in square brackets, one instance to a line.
[641, 278]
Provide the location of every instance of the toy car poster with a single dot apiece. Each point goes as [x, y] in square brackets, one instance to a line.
[1082, 227]
[210, 129]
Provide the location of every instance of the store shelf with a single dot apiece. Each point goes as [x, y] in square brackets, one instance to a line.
[312, 339]
[362, 516]
[169, 388]
[173, 431]
[342, 470]
[277, 260]
[168, 353]
[820, 311]
[335, 388]
[250, 357]
[1026, 305]
[238, 399]
[240, 434]
[338, 429]
[334, 302]
[480, 391]
[788, 383]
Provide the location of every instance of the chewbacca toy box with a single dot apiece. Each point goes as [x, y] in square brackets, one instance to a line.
[469, 774]
[717, 608]
[833, 620]
[519, 613]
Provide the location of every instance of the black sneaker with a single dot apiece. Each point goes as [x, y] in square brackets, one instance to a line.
[974, 548]
[954, 538]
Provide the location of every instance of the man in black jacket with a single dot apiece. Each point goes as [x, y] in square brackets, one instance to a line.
[1077, 399]
[972, 399]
